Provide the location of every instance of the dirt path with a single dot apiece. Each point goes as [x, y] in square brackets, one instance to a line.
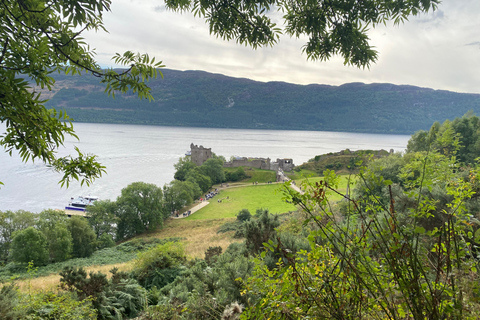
[292, 185]
[193, 209]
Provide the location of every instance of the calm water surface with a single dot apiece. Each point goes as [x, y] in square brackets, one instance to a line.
[146, 153]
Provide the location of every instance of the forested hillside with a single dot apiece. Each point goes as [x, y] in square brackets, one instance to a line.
[201, 99]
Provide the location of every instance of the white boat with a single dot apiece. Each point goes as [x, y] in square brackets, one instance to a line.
[81, 203]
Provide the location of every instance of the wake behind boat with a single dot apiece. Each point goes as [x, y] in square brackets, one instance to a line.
[81, 203]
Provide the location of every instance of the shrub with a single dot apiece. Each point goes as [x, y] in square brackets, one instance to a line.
[56, 306]
[160, 265]
[211, 254]
[244, 215]
[9, 300]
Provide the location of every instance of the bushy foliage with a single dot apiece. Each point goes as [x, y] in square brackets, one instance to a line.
[123, 252]
[119, 298]
[244, 215]
[213, 168]
[182, 167]
[29, 245]
[9, 300]
[102, 218]
[376, 262]
[83, 237]
[460, 137]
[236, 175]
[11, 221]
[212, 254]
[204, 291]
[139, 209]
[260, 230]
[159, 265]
[40, 38]
[58, 306]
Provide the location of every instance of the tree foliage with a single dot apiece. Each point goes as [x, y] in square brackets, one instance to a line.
[83, 237]
[38, 38]
[332, 27]
[117, 298]
[101, 216]
[398, 251]
[460, 137]
[139, 209]
[11, 221]
[29, 245]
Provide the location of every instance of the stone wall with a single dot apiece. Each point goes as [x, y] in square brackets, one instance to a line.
[259, 163]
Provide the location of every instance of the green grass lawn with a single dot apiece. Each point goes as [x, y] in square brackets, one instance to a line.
[260, 176]
[251, 197]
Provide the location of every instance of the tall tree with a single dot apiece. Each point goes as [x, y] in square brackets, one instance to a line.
[139, 209]
[29, 245]
[101, 216]
[332, 26]
[37, 38]
[11, 221]
[83, 237]
[53, 224]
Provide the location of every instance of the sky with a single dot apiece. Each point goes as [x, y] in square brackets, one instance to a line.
[439, 50]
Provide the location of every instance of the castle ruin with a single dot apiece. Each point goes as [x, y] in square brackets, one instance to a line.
[200, 154]
[261, 163]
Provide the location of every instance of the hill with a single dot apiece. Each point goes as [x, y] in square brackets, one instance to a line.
[201, 99]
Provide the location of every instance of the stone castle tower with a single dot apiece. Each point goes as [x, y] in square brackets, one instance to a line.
[200, 154]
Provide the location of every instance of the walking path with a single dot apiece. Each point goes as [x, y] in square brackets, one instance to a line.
[193, 209]
[283, 177]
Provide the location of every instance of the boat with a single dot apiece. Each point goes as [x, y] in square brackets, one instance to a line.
[188, 153]
[81, 203]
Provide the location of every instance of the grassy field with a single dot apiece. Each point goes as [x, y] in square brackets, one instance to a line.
[251, 197]
[199, 231]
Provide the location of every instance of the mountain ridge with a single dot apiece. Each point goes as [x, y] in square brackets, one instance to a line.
[201, 99]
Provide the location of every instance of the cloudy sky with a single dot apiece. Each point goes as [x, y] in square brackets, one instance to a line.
[439, 50]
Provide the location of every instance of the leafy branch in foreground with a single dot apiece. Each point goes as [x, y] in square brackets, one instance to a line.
[37, 38]
[332, 27]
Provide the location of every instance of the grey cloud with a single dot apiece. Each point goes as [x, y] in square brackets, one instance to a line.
[475, 43]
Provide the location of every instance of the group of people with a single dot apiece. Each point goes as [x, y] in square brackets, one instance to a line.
[210, 195]
[185, 214]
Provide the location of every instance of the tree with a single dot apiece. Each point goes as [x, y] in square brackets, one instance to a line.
[37, 38]
[203, 181]
[460, 137]
[83, 237]
[29, 245]
[333, 27]
[213, 168]
[179, 194]
[48, 219]
[139, 209]
[182, 167]
[53, 224]
[101, 216]
[10, 222]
